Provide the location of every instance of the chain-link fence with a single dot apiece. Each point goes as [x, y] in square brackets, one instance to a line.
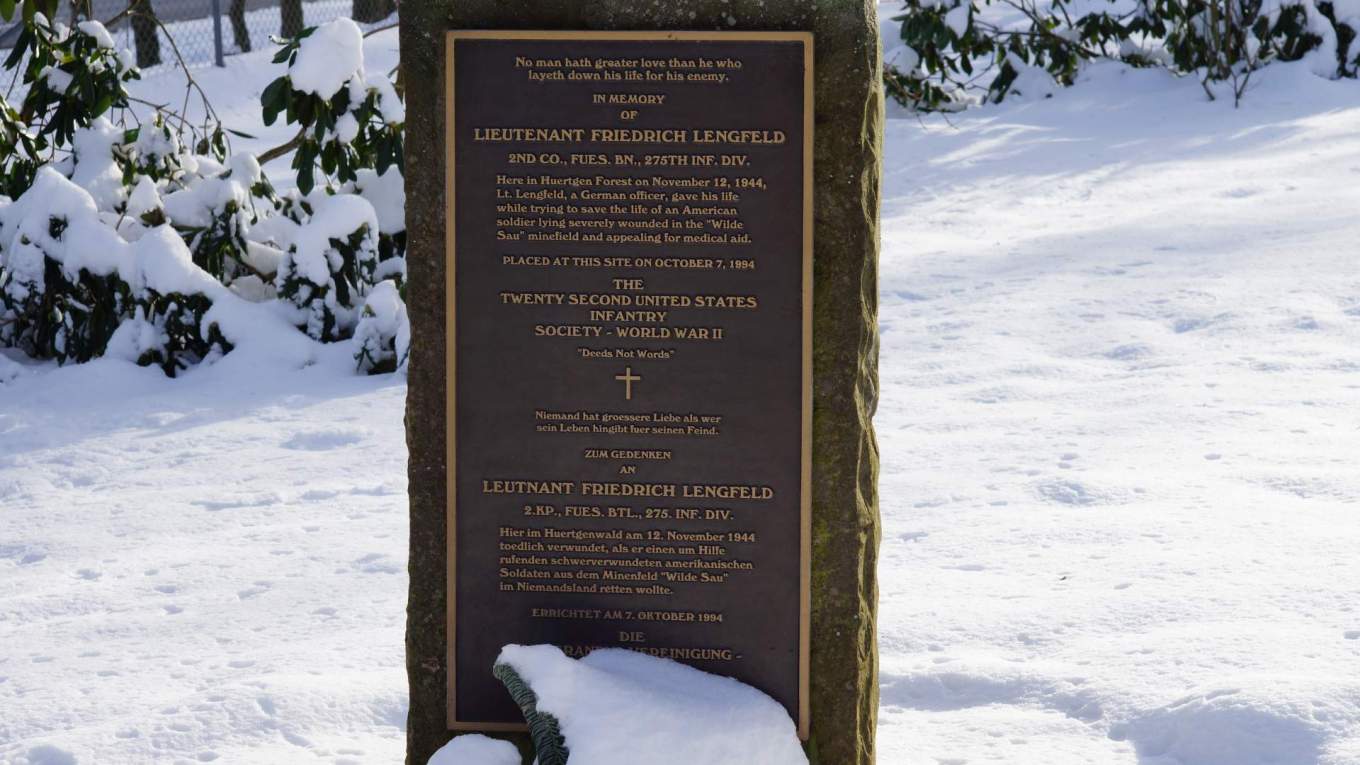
[207, 32]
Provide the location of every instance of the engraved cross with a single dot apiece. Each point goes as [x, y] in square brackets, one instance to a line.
[627, 378]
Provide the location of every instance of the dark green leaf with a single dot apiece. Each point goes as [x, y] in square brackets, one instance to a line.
[275, 91]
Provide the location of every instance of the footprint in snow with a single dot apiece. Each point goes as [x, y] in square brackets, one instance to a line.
[26, 556]
[323, 440]
[1068, 493]
[259, 588]
[376, 563]
[1189, 325]
[318, 495]
[381, 490]
[910, 297]
[256, 500]
[1130, 352]
[295, 739]
[46, 754]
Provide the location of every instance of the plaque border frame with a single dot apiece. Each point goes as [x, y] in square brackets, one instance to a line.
[451, 341]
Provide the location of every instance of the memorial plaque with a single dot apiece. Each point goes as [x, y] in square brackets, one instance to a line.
[629, 360]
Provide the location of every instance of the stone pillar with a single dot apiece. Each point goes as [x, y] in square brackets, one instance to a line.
[847, 145]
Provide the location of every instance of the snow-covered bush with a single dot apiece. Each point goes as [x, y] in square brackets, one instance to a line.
[386, 191]
[122, 234]
[73, 75]
[347, 118]
[60, 297]
[330, 265]
[957, 51]
[70, 284]
[383, 337]
[213, 207]
[18, 149]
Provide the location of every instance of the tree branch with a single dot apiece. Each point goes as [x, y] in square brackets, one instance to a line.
[283, 149]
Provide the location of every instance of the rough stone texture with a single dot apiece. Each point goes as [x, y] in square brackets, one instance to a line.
[848, 137]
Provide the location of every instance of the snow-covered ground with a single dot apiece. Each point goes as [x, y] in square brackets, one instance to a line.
[1120, 425]
[210, 568]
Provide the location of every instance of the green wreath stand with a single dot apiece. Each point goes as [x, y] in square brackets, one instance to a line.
[549, 745]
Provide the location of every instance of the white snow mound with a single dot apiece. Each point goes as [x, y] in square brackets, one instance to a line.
[328, 58]
[620, 707]
[475, 749]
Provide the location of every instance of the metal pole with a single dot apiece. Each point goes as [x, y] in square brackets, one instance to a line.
[217, 32]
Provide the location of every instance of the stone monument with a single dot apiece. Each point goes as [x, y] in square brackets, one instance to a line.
[642, 248]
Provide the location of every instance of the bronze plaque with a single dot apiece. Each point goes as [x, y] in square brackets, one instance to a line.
[629, 308]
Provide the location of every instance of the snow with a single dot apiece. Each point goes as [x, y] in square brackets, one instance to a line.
[957, 19]
[328, 58]
[346, 128]
[383, 318]
[83, 243]
[156, 141]
[144, 198]
[235, 89]
[615, 695]
[98, 32]
[56, 79]
[195, 206]
[1321, 60]
[333, 217]
[1120, 376]
[314, 259]
[1119, 384]
[390, 106]
[387, 194]
[206, 569]
[164, 264]
[95, 169]
[9, 369]
[476, 749]
[157, 260]
[46, 754]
